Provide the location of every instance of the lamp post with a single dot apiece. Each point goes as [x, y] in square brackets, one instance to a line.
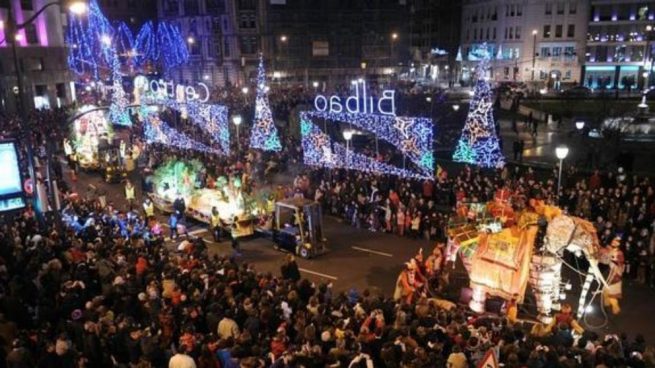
[237, 122]
[394, 37]
[534, 51]
[561, 152]
[244, 90]
[77, 7]
[348, 135]
[579, 125]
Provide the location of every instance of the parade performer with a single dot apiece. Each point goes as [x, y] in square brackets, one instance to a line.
[565, 315]
[148, 208]
[129, 193]
[215, 224]
[408, 283]
[613, 256]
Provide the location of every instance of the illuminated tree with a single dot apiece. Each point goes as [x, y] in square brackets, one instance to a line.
[264, 133]
[479, 144]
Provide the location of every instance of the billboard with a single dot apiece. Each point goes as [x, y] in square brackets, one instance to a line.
[11, 184]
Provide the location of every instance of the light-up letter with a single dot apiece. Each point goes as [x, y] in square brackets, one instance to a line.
[388, 95]
[204, 86]
[335, 104]
[325, 103]
[351, 98]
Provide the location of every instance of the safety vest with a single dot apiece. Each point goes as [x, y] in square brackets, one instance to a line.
[215, 220]
[129, 192]
[149, 209]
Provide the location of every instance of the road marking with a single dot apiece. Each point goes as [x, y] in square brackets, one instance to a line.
[318, 274]
[373, 251]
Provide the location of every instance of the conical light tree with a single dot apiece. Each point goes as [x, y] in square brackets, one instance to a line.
[479, 144]
[264, 133]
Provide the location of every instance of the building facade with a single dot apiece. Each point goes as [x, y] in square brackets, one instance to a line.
[533, 41]
[330, 42]
[132, 12]
[619, 49]
[41, 53]
[435, 28]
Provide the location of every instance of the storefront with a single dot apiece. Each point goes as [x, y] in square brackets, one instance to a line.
[612, 76]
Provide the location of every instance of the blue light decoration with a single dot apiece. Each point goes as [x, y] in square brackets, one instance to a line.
[161, 45]
[145, 45]
[118, 113]
[157, 131]
[264, 133]
[210, 117]
[478, 144]
[412, 136]
[124, 40]
[84, 35]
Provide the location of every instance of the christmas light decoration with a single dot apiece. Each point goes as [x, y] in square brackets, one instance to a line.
[158, 131]
[412, 136]
[264, 133]
[162, 45]
[85, 36]
[124, 41]
[118, 113]
[479, 143]
[210, 117]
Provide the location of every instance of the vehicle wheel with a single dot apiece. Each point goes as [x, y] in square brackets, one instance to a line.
[304, 253]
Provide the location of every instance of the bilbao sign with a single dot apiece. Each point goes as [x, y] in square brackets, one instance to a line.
[359, 103]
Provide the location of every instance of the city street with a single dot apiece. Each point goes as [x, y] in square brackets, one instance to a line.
[362, 259]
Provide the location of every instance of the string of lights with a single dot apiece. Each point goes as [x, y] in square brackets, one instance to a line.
[157, 131]
[118, 113]
[163, 45]
[412, 136]
[86, 37]
[479, 144]
[124, 40]
[210, 117]
[264, 133]
[319, 150]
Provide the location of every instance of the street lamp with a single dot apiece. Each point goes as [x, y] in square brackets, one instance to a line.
[560, 152]
[394, 37]
[315, 84]
[191, 40]
[456, 107]
[579, 125]
[244, 90]
[76, 7]
[534, 50]
[237, 122]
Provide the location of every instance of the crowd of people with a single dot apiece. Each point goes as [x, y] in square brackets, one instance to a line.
[107, 290]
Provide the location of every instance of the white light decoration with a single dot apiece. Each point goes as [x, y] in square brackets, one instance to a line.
[412, 136]
[561, 152]
[264, 135]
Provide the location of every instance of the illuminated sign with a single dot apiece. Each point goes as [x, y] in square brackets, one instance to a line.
[358, 104]
[438, 51]
[164, 89]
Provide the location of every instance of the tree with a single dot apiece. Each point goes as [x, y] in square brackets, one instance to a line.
[264, 133]
[479, 144]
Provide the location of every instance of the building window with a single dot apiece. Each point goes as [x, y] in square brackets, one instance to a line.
[557, 52]
[320, 48]
[31, 35]
[573, 7]
[519, 10]
[507, 10]
[487, 34]
[517, 32]
[475, 34]
[570, 31]
[226, 48]
[560, 7]
[511, 33]
[549, 8]
[26, 5]
[569, 52]
[547, 31]
[249, 45]
[468, 35]
[545, 52]
[558, 31]
[506, 30]
[494, 32]
[511, 10]
[171, 7]
[191, 7]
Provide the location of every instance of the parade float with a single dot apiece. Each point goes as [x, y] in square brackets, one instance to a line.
[182, 179]
[504, 252]
[91, 133]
